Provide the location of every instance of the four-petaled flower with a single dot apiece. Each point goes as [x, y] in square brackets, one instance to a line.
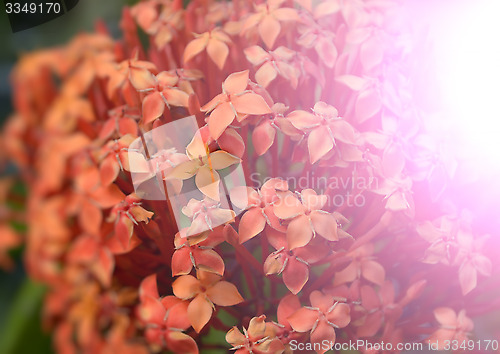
[293, 264]
[205, 215]
[260, 338]
[215, 41]
[259, 206]
[323, 127]
[204, 166]
[165, 319]
[160, 93]
[306, 218]
[452, 327]
[322, 318]
[268, 17]
[234, 102]
[272, 64]
[204, 292]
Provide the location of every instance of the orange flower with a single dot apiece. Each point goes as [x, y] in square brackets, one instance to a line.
[453, 327]
[259, 206]
[233, 102]
[204, 167]
[268, 17]
[306, 218]
[380, 308]
[88, 250]
[273, 63]
[127, 213]
[133, 70]
[122, 121]
[198, 253]
[363, 266]
[113, 158]
[368, 95]
[162, 25]
[205, 291]
[319, 38]
[324, 315]
[264, 133]
[293, 264]
[165, 319]
[324, 127]
[205, 215]
[160, 92]
[214, 41]
[260, 338]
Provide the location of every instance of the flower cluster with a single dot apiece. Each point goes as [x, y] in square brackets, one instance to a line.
[280, 88]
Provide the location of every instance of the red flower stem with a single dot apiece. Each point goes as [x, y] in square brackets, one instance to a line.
[250, 281]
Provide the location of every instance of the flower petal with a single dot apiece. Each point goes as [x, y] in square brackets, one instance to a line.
[181, 262]
[149, 288]
[199, 312]
[257, 327]
[141, 78]
[218, 52]
[219, 119]
[323, 333]
[445, 316]
[176, 97]
[186, 287]
[319, 143]
[295, 275]
[255, 54]
[289, 206]
[325, 225]
[251, 224]
[236, 82]
[179, 342]
[195, 47]
[373, 271]
[263, 137]
[152, 107]
[287, 306]
[367, 105]
[250, 103]
[266, 74]
[311, 200]
[235, 337]
[207, 181]
[209, 260]
[303, 319]
[269, 29]
[299, 232]
[467, 275]
[340, 315]
[224, 293]
[221, 159]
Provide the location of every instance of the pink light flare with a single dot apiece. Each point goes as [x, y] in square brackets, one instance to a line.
[466, 42]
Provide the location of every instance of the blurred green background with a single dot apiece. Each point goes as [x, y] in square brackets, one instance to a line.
[20, 299]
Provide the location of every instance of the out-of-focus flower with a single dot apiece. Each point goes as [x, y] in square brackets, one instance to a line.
[453, 327]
